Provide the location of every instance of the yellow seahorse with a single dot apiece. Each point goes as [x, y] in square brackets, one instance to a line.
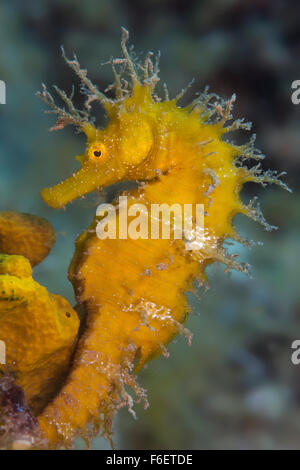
[133, 290]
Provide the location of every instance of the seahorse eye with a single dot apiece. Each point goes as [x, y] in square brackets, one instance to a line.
[96, 151]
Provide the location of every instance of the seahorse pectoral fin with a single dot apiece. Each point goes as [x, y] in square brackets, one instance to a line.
[86, 180]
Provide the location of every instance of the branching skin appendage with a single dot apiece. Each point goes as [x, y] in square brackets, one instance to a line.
[133, 291]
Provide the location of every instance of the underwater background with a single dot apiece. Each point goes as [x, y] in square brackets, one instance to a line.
[235, 387]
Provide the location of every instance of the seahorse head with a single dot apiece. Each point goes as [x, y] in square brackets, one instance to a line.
[111, 155]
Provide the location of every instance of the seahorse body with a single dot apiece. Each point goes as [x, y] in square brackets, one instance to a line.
[133, 290]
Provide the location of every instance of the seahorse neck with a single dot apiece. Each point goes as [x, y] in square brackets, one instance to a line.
[180, 182]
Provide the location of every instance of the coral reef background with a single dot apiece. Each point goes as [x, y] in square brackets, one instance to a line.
[236, 387]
